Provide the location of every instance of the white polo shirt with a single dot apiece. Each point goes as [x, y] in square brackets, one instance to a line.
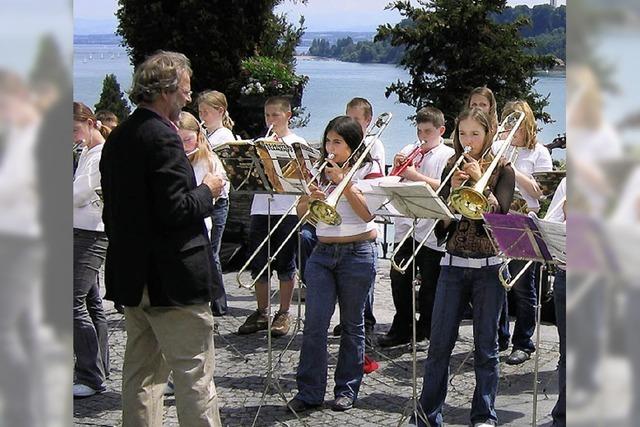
[530, 161]
[430, 164]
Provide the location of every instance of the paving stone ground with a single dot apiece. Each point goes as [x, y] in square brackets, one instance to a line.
[241, 375]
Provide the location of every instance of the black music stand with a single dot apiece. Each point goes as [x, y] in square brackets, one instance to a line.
[415, 200]
[525, 238]
[267, 167]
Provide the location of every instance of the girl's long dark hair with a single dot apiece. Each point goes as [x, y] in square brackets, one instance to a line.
[351, 131]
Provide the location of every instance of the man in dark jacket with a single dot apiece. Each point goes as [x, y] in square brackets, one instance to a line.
[158, 262]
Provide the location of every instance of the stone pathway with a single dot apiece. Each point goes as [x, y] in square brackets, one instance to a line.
[241, 367]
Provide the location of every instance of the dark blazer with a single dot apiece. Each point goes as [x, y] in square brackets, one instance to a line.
[154, 216]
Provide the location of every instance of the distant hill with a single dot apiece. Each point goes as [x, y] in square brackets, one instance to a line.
[547, 30]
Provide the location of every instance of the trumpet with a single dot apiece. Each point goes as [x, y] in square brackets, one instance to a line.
[469, 201]
[374, 130]
[503, 272]
[402, 268]
[397, 170]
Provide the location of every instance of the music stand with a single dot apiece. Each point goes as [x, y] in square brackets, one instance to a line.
[267, 167]
[416, 200]
[525, 238]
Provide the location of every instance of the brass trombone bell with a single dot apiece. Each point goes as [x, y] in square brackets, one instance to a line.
[469, 201]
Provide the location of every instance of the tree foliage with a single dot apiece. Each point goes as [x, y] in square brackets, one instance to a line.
[49, 66]
[112, 98]
[363, 51]
[216, 35]
[455, 46]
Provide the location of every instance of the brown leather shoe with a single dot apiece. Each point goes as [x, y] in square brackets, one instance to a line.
[281, 324]
[257, 321]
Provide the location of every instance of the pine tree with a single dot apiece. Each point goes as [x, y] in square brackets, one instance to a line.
[456, 45]
[112, 99]
[49, 66]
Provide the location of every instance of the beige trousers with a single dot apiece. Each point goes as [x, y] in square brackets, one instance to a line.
[164, 339]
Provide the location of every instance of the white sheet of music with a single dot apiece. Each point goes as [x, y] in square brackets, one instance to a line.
[554, 235]
[409, 199]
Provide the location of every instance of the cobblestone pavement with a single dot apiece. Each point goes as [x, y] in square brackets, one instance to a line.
[241, 372]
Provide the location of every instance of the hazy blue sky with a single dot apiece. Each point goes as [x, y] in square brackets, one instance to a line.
[320, 15]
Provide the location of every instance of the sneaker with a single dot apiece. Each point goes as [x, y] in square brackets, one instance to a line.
[81, 391]
[169, 389]
[484, 424]
[281, 324]
[257, 321]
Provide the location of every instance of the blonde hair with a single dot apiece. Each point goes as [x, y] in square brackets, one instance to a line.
[216, 99]
[82, 113]
[488, 94]
[187, 121]
[362, 103]
[477, 115]
[528, 124]
[158, 73]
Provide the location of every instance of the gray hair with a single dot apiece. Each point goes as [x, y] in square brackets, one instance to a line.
[159, 72]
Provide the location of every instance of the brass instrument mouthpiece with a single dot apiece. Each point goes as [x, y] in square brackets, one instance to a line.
[331, 156]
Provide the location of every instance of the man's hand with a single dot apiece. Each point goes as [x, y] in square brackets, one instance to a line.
[214, 182]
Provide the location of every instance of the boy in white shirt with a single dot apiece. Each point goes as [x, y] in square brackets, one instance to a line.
[277, 112]
[426, 167]
[361, 110]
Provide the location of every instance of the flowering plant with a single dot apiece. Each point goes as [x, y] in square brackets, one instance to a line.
[267, 76]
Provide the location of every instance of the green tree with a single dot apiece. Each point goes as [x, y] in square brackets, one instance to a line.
[112, 98]
[216, 35]
[455, 46]
[49, 66]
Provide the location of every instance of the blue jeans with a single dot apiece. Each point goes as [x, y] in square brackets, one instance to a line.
[456, 287]
[218, 219]
[342, 271]
[560, 302]
[90, 332]
[525, 296]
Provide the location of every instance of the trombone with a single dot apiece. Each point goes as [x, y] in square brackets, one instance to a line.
[326, 209]
[469, 201]
[503, 273]
[402, 268]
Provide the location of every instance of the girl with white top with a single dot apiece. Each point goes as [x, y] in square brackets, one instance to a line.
[212, 109]
[532, 157]
[90, 333]
[342, 267]
[203, 161]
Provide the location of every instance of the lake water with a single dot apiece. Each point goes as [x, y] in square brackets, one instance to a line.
[331, 85]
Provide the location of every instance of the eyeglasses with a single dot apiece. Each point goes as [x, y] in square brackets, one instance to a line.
[185, 92]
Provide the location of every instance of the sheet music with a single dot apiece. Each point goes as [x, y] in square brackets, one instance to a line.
[377, 199]
[409, 199]
[243, 167]
[554, 235]
[517, 236]
[286, 169]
